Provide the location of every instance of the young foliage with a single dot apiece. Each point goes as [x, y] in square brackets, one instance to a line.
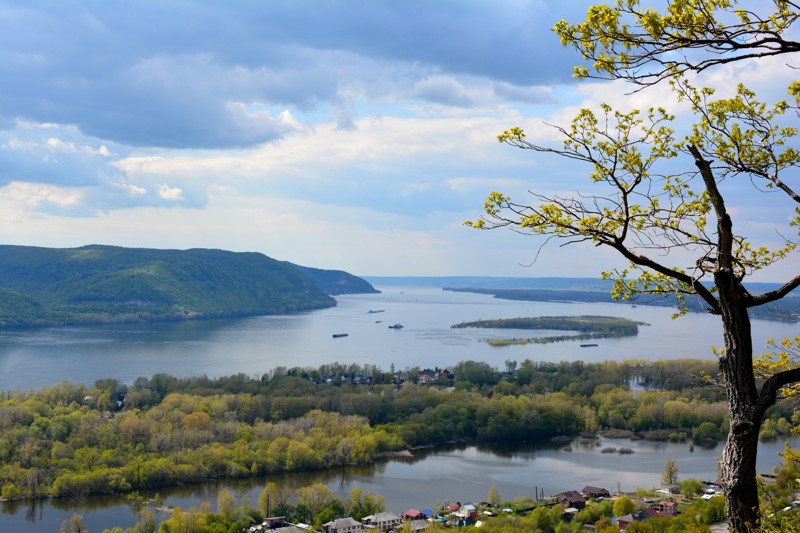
[675, 227]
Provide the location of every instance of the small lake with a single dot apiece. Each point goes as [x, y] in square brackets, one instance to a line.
[451, 473]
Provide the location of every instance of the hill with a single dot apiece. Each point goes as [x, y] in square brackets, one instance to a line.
[589, 290]
[47, 286]
[336, 282]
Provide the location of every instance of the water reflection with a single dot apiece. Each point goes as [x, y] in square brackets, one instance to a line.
[456, 472]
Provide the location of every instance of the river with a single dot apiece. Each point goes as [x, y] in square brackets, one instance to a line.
[36, 358]
[32, 359]
[446, 474]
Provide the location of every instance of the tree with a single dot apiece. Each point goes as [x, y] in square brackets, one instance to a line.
[226, 505]
[623, 505]
[494, 495]
[315, 497]
[675, 227]
[73, 525]
[691, 487]
[670, 474]
[644, 46]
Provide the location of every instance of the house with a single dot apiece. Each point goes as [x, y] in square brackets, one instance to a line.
[424, 378]
[650, 512]
[466, 514]
[571, 498]
[342, 525]
[667, 508]
[670, 489]
[382, 521]
[626, 520]
[595, 492]
[413, 514]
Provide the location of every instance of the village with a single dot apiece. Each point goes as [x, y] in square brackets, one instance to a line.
[665, 504]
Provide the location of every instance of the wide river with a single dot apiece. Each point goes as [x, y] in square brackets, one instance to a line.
[32, 359]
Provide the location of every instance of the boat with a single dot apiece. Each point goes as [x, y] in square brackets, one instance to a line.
[396, 326]
[588, 345]
[376, 311]
[338, 335]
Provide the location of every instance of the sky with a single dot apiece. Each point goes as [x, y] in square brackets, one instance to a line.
[342, 134]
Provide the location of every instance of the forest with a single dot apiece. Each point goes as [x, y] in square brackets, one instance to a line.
[70, 439]
[98, 284]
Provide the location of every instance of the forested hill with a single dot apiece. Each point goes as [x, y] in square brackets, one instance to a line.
[589, 290]
[337, 281]
[46, 286]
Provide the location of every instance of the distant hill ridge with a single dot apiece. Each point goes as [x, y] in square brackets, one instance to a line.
[588, 290]
[95, 283]
[335, 282]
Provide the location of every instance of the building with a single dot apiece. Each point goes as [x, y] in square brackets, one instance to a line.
[342, 525]
[626, 520]
[413, 514]
[595, 492]
[382, 521]
[416, 526]
[667, 508]
[571, 498]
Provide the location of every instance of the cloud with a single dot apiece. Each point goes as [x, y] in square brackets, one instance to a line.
[134, 76]
[36, 195]
[536, 94]
[132, 190]
[443, 90]
[55, 154]
[361, 132]
[170, 193]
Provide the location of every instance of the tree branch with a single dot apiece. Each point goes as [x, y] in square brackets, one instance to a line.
[777, 294]
[769, 391]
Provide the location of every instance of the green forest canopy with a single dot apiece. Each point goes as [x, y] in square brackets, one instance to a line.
[90, 284]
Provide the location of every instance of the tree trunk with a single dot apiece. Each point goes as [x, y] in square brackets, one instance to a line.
[738, 459]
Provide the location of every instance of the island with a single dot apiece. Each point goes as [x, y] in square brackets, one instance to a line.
[584, 328]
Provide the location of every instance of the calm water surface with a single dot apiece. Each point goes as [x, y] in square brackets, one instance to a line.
[33, 359]
[455, 473]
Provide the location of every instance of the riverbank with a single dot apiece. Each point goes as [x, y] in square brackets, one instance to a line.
[462, 472]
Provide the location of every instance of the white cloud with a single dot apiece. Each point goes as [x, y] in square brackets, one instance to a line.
[132, 190]
[35, 194]
[57, 145]
[170, 193]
